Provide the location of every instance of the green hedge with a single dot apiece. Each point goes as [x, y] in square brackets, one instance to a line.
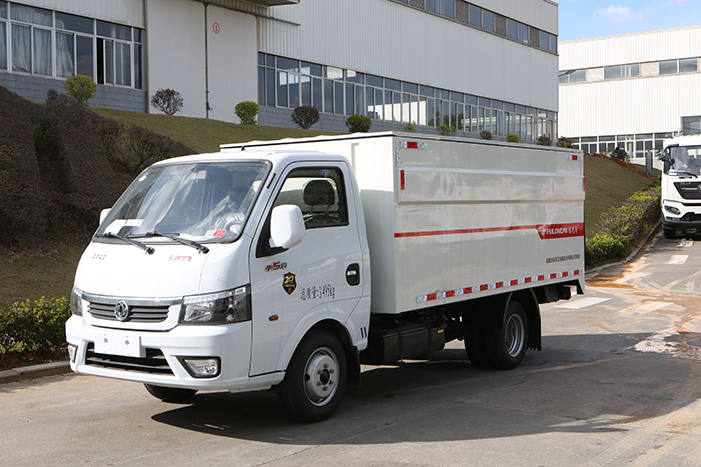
[34, 326]
[621, 228]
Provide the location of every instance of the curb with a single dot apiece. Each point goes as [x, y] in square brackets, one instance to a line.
[653, 233]
[35, 371]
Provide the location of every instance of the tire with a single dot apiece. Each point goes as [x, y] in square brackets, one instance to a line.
[315, 379]
[507, 346]
[669, 232]
[476, 347]
[170, 394]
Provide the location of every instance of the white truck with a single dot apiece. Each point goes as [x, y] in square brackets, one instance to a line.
[287, 264]
[681, 186]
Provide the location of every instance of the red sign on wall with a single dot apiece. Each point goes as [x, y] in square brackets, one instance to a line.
[216, 28]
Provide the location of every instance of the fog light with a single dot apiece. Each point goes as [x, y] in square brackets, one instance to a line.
[198, 367]
[72, 351]
[673, 210]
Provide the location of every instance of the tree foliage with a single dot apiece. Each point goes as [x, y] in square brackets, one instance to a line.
[169, 101]
[81, 88]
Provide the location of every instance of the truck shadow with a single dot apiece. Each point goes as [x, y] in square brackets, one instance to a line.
[579, 384]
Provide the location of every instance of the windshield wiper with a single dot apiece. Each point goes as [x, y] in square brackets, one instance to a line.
[184, 241]
[148, 249]
[684, 172]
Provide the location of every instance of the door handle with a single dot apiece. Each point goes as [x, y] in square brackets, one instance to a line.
[353, 274]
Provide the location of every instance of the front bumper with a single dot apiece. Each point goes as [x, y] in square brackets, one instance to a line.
[152, 357]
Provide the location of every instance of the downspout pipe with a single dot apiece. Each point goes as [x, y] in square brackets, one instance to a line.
[206, 60]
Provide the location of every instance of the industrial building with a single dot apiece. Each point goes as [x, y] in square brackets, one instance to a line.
[630, 91]
[478, 65]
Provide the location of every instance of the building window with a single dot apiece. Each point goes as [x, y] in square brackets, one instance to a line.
[688, 65]
[668, 67]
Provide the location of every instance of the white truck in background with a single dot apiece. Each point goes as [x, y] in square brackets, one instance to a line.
[681, 185]
[289, 263]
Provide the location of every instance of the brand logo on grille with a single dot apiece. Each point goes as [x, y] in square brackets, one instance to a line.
[121, 311]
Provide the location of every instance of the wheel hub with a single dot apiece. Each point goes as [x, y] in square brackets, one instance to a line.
[514, 335]
[321, 375]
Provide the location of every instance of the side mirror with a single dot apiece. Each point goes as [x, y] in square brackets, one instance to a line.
[103, 215]
[286, 226]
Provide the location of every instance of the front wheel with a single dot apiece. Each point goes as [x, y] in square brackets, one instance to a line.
[315, 379]
[507, 346]
[170, 394]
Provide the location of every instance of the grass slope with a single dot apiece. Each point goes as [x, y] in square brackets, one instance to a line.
[204, 135]
[608, 185]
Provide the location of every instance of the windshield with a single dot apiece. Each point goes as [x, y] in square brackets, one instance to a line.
[198, 201]
[685, 160]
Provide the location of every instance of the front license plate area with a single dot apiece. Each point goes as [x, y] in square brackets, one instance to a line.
[120, 344]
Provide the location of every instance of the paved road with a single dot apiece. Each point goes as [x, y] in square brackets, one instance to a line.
[618, 382]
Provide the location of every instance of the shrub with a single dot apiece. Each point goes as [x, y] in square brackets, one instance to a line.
[246, 111]
[620, 154]
[544, 141]
[446, 130]
[565, 143]
[358, 123]
[486, 134]
[81, 88]
[168, 101]
[604, 248]
[141, 148]
[305, 116]
[410, 127]
[513, 138]
[35, 326]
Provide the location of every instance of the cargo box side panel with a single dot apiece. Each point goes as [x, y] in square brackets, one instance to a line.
[479, 219]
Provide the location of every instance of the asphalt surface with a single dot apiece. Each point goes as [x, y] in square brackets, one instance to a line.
[618, 383]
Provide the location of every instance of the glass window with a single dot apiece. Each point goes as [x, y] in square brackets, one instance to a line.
[270, 86]
[578, 76]
[137, 66]
[448, 8]
[668, 67]
[354, 76]
[261, 85]
[613, 72]
[31, 15]
[379, 108]
[116, 31]
[511, 28]
[553, 43]
[359, 100]
[334, 73]
[3, 45]
[564, 77]
[457, 96]
[544, 40]
[270, 60]
[261, 58]
[488, 20]
[350, 99]
[631, 71]
[74, 23]
[319, 193]
[311, 69]
[426, 91]
[21, 48]
[84, 56]
[317, 101]
[306, 85]
[293, 89]
[523, 33]
[393, 84]
[65, 65]
[328, 96]
[42, 51]
[281, 85]
[373, 80]
[470, 99]
[410, 87]
[137, 35]
[475, 15]
[287, 64]
[388, 105]
[688, 65]
[432, 5]
[3, 9]
[338, 98]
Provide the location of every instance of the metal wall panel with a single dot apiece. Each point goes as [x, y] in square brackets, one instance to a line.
[404, 43]
[130, 12]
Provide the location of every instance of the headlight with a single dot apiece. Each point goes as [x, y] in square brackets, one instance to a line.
[77, 301]
[672, 209]
[231, 306]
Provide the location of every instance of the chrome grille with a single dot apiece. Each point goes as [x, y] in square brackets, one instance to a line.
[154, 362]
[137, 313]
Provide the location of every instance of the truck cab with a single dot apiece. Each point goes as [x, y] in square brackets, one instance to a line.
[681, 185]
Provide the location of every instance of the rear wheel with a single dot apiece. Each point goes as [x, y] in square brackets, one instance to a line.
[476, 347]
[170, 394]
[507, 346]
[669, 232]
[315, 379]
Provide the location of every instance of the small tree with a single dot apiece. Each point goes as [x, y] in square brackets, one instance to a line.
[168, 101]
[410, 127]
[446, 130]
[564, 142]
[81, 88]
[513, 138]
[486, 134]
[545, 141]
[305, 116]
[246, 111]
[358, 123]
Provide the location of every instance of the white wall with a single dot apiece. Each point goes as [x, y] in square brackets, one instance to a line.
[403, 43]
